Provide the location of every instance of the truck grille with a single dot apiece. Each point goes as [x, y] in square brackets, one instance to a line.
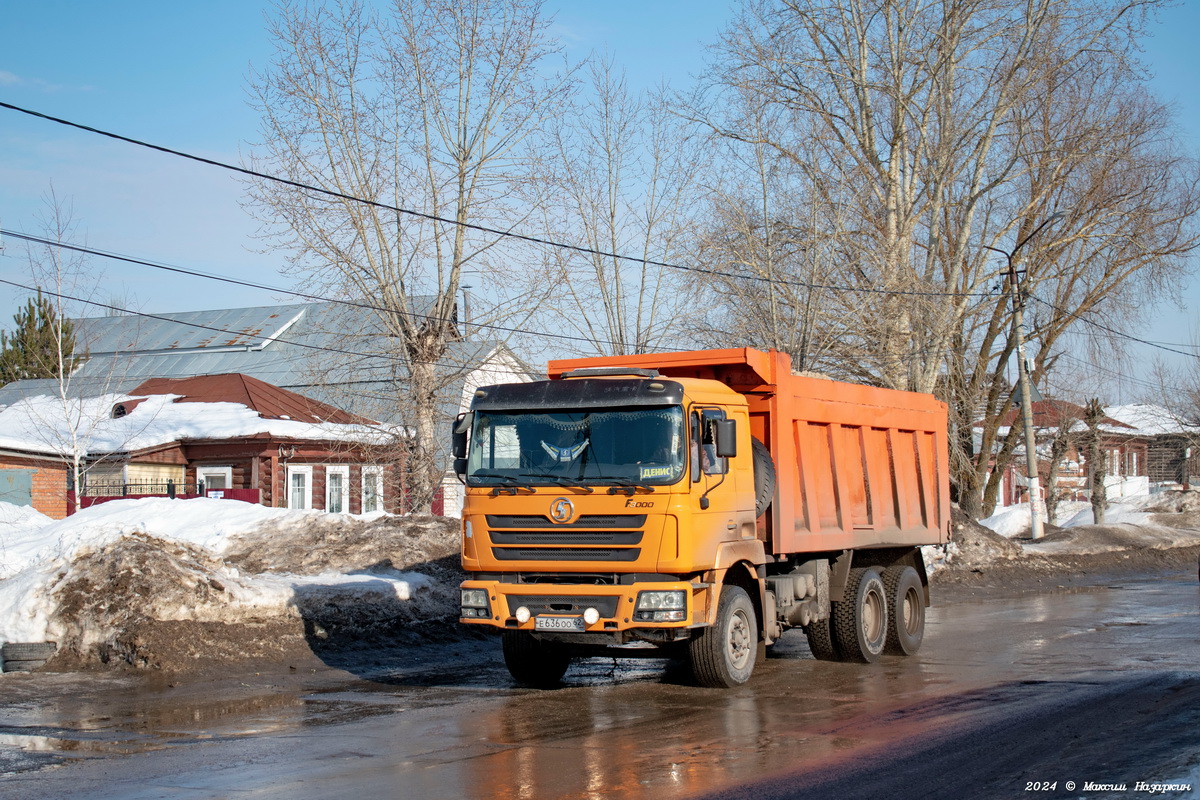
[566, 554]
[574, 541]
[552, 537]
[585, 521]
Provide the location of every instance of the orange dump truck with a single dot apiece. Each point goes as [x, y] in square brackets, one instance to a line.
[698, 504]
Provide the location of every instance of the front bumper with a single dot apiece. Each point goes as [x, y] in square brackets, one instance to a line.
[565, 606]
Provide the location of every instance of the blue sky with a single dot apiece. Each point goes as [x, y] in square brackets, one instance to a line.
[175, 74]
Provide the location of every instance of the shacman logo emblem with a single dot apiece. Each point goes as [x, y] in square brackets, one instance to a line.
[562, 510]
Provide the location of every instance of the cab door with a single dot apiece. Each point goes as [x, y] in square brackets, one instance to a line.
[714, 485]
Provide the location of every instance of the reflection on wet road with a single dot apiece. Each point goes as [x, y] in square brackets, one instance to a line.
[618, 729]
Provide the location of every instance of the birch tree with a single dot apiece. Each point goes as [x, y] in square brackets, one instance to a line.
[433, 106]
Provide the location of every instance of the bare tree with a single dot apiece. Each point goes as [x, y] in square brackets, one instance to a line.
[1097, 459]
[627, 173]
[769, 252]
[944, 129]
[434, 106]
[72, 418]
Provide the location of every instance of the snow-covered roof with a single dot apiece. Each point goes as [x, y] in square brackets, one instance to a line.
[334, 353]
[52, 426]
[1151, 420]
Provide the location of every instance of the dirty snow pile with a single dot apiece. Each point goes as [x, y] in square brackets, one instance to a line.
[1165, 519]
[101, 582]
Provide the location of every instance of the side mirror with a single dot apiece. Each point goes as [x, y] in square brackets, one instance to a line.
[458, 442]
[725, 433]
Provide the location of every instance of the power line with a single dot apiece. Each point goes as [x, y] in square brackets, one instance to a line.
[1113, 331]
[475, 227]
[280, 290]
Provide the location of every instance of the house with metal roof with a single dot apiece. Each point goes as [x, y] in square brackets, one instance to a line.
[331, 353]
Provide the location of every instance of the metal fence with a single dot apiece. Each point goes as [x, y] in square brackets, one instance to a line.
[167, 488]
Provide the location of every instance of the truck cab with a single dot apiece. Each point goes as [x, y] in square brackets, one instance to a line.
[604, 510]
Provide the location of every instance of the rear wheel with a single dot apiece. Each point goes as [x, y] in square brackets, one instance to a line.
[723, 654]
[860, 620]
[533, 662]
[820, 641]
[906, 604]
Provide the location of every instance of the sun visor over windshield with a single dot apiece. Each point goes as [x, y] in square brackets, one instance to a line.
[577, 393]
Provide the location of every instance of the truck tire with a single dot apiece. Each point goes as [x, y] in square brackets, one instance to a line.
[532, 662]
[860, 620]
[723, 654]
[764, 477]
[21, 665]
[820, 641]
[906, 610]
[27, 651]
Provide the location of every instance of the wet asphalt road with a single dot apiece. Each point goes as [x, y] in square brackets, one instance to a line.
[1096, 685]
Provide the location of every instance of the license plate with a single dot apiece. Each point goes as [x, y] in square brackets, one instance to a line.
[558, 623]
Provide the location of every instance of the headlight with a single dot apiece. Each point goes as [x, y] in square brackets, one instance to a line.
[654, 601]
[474, 598]
[661, 606]
[475, 604]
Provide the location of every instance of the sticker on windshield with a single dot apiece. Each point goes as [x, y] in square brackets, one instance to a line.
[564, 454]
[655, 472]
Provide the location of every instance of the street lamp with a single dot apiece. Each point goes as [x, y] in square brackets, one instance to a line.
[1031, 465]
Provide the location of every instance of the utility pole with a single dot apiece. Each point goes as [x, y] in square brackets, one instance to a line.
[1018, 300]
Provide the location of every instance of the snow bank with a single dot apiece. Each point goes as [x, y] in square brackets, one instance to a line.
[80, 580]
[1015, 520]
[18, 542]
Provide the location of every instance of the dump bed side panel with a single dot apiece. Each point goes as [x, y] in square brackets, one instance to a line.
[858, 466]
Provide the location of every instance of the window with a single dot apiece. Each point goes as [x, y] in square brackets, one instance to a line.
[299, 487]
[704, 444]
[337, 489]
[372, 489]
[215, 478]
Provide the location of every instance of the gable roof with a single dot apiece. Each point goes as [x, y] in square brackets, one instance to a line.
[269, 401]
[1152, 420]
[1057, 413]
[334, 353]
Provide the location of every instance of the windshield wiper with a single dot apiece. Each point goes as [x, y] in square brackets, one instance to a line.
[561, 481]
[511, 483]
[627, 486]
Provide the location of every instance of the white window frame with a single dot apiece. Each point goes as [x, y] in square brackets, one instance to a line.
[344, 471]
[372, 474]
[299, 469]
[202, 474]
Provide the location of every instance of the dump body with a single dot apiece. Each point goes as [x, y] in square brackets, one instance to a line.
[857, 466]
[626, 501]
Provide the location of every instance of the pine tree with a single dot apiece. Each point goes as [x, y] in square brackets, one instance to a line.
[42, 346]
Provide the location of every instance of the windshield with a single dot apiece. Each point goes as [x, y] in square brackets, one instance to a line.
[637, 445]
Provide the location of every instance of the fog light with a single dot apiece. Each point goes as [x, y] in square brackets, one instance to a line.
[591, 616]
[523, 615]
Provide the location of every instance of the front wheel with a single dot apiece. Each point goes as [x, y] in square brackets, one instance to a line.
[532, 662]
[723, 654]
